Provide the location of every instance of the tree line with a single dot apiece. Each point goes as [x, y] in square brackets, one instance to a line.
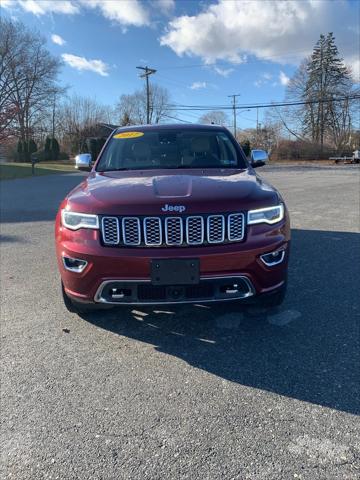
[326, 119]
[38, 114]
[322, 124]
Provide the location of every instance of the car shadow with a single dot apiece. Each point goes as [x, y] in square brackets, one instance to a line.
[308, 350]
[11, 239]
[35, 199]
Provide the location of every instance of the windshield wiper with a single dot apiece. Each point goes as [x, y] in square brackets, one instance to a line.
[114, 170]
[201, 167]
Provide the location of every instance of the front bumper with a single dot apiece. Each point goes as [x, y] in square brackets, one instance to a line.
[212, 289]
[220, 266]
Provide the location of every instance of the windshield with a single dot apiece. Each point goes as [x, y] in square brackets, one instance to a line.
[138, 150]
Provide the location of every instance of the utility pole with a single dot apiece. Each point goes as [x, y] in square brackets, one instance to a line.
[147, 71]
[234, 109]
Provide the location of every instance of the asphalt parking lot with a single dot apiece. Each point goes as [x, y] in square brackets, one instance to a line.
[190, 392]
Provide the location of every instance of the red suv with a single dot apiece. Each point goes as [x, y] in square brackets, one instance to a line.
[172, 214]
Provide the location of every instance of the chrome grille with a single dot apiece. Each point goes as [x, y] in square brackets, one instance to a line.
[235, 227]
[194, 230]
[131, 231]
[173, 231]
[110, 228]
[216, 228]
[152, 231]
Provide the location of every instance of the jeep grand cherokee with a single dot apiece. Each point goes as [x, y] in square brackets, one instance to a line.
[172, 214]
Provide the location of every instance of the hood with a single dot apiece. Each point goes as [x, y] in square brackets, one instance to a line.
[156, 192]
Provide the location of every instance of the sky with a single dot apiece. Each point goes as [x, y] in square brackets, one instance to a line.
[203, 51]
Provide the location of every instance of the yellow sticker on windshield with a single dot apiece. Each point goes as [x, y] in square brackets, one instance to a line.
[128, 135]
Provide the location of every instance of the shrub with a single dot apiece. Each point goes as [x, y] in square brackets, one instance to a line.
[300, 150]
[43, 156]
[46, 153]
[55, 149]
[84, 147]
[32, 147]
[93, 148]
[246, 147]
[63, 156]
[19, 150]
[100, 142]
[51, 149]
[25, 151]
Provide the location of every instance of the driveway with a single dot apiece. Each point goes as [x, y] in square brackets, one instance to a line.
[192, 392]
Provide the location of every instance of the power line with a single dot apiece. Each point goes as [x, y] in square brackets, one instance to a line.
[176, 118]
[173, 81]
[256, 105]
[192, 115]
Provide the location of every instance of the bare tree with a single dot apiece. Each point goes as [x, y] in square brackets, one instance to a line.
[28, 75]
[265, 137]
[216, 117]
[131, 108]
[8, 56]
[78, 118]
[340, 122]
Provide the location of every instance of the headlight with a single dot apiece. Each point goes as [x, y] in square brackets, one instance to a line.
[74, 220]
[266, 215]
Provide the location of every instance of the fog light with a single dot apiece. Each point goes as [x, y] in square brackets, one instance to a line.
[74, 264]
[273, 258]
[119, 293]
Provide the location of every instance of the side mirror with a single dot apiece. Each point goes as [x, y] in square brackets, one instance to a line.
[83, 162]
[258, 158]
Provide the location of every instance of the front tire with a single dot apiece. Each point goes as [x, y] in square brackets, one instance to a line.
[73, 306]
[274, 300]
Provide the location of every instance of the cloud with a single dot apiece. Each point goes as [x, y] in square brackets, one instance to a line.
[354, 63]
[57, 39]
[7, 4]
[164, 6]
[224, 72]
[198, 85]
[42, 7]
[283, 78]
[82, 63]
[263, 80]
[283, 32]
[126, 12]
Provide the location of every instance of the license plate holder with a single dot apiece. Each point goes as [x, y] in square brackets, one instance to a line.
[175, 271]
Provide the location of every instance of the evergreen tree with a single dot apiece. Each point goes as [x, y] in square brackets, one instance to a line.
[327, 77]
[55, 149]
[25, 148]
[84, 147]
[246, 147]
[125, 120]
[93, 148]
[99, 145]
[20, 150]
[32, 147]
[47, 149]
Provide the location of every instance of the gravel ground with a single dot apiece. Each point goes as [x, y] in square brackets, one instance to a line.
[188, 392]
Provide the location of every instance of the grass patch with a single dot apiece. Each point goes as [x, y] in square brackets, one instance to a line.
[10, 171]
